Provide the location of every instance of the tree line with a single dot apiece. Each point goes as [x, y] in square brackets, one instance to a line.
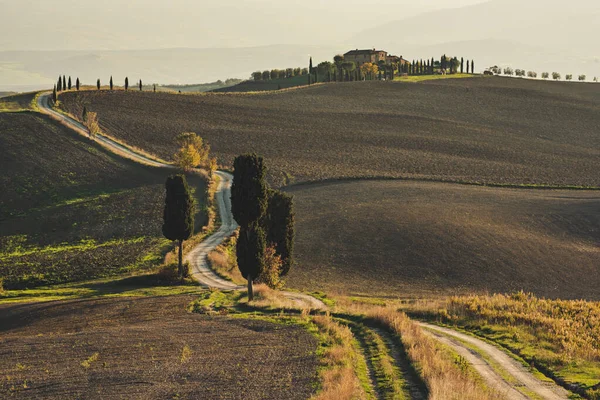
[508, 71]
[273, 74]
[341, 70]
[62, 85]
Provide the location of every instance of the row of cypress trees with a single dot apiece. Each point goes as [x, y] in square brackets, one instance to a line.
[266, 217]
[417, 67]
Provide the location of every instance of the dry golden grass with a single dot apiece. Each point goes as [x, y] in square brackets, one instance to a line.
[560, 337]
[223, 261]
[444, 378]
[572, 326]
[339, 379]
[265, 297]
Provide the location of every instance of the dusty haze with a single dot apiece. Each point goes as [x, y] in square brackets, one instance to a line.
[185, 41]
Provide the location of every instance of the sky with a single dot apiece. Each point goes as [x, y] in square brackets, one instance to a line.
[193, 41]
[151, 24]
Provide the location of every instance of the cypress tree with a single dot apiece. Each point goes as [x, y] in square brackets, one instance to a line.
[310, 71]
[84, 113]
[249, 202]
[111, 83]
[178, 216]
[462, 63]
[140, 85]
[468, 66]
[98, 83]
[280, 227]
[250, 252]
[77, 83]
[126, 83]
[64, 83]
[59, 84]
[69, 85]
[54, 95]
[472, 66]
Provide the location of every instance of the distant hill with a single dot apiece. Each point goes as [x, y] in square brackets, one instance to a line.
[534, 34]
[31, 70]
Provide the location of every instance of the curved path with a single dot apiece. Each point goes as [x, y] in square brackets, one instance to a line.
[514, 380]
[197, 258]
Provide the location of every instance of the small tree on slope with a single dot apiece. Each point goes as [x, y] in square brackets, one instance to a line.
[178, 217]
[279, 223]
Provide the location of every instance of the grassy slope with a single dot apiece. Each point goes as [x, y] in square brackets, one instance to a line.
[70, 210]
[399, 238]
[17, 102]
[149, 348]
[488, 130]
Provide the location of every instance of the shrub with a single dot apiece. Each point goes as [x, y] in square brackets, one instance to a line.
[270, 274]
[569, 77]
[555, 76]
[545, 75]
[169, 273]
[582, 77]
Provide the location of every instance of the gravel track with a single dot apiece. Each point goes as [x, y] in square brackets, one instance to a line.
[521, 381]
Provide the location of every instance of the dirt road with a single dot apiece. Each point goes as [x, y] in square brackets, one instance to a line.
[499, 370]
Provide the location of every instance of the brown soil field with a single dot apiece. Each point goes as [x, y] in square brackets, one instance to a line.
[402, 238]
[149, 348]
[492, 130]
[71, 210]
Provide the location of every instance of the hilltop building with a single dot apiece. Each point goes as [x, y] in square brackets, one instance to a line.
[373, 56]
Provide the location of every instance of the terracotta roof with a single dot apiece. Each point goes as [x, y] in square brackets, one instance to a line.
[358, 52]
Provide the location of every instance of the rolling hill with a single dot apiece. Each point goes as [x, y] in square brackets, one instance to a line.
[393, 237]
[67, 207]
[476, 130]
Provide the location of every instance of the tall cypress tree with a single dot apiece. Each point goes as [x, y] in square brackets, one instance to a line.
[111, 83]
[472, 66]
[59, 84]
[280, 227]
[468, 66]
[64, 83]
[126, 83]
[54, 94]
[462, 64]
[310, 71]
[98, 83]
[141, 85]
[249, 201]
[69, 85]
[77, 83]
[178, 216]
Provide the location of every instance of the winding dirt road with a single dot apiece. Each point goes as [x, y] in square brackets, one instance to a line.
[198, 257]
[500, 371]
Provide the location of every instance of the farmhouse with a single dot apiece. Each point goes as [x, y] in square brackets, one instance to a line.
[373, 56]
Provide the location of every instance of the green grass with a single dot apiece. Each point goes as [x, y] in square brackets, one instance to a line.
[422, 78]
[72, 211]
[134, 286]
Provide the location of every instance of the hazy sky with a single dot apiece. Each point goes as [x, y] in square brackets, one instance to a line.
[146, 24]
